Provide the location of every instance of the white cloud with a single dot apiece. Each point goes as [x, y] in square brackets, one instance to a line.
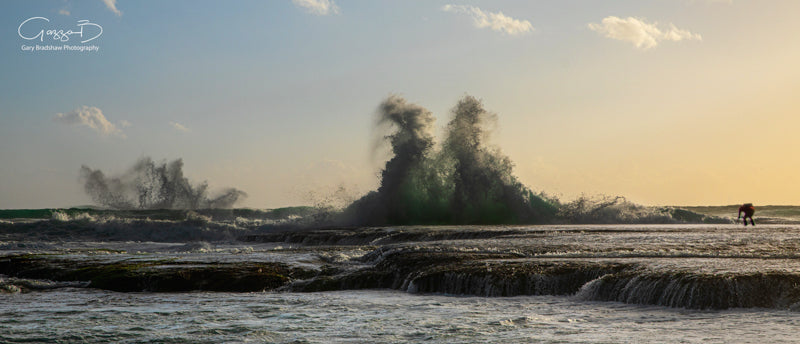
[91, 117]
[643, 35]
[63, 12]
[496, 21]
[180, 127]
[112, 5]
[318, 7]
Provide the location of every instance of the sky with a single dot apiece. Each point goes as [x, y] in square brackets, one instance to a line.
[665, 102]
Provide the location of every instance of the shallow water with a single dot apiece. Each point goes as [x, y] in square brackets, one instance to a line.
[678, 265]
[369, 316]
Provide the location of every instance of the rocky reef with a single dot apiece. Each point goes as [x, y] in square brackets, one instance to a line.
[151, 275]
[688, 266]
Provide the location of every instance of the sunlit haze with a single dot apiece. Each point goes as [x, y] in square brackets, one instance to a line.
[672, 102]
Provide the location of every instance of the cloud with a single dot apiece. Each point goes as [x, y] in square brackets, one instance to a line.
[63, 12]
[180, 127]
[112, 5]
[318, 7]
[643, 35]
[496, 21]
[91, 117]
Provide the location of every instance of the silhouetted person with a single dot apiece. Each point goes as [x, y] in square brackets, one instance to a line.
[748, 211]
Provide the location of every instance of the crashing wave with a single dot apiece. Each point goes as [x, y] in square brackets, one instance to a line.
[148, 185]
[618, 210]
[465, 180]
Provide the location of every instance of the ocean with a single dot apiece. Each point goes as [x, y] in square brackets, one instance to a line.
[246, 276]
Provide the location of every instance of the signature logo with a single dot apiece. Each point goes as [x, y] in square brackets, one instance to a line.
[35, 25]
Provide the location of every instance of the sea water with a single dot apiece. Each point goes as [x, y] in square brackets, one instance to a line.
[69, 311]
[370, 316]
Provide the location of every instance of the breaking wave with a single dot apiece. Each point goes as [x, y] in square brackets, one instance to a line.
[460, 180]
[163, 225]
[618, 210]
[464, 180]
[148, 185]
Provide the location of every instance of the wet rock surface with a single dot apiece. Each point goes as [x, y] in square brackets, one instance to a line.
[701, 267]
[157, 276]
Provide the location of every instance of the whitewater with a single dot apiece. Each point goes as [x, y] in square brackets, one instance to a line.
[236, 276]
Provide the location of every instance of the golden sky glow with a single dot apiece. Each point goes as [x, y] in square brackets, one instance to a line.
[690, 102]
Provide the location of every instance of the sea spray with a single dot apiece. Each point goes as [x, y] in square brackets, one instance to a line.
[485, 190]
[462, 182]
[148, 185]
[407, 193]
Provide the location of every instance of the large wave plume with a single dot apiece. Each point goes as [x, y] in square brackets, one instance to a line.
[463, 181]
